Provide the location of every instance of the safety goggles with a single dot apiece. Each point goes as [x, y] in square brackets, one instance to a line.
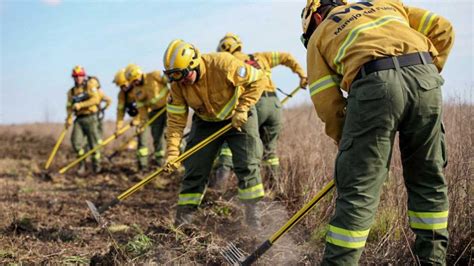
[177, 74]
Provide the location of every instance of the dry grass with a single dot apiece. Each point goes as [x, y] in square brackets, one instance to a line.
[307, 157]
[143, 232]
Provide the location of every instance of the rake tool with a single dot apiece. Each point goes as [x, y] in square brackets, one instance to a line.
[234, 256]
[107, 141]
[96, 212]
[55, 149]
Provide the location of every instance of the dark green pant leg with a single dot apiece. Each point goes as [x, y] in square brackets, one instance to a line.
[270, 124]
[374, 105]
[198, 166]
[157, 131]
[246, 148]
[423, 157]
[78, 138]
[90, 127]
[224, 158]
[142, 149]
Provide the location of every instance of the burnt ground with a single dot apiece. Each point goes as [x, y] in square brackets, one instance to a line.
[44, 218]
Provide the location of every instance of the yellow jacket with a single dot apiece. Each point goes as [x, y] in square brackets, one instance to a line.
[104, 98]
[350, 37]
[88, 106]
[225, 84]
[124, 98]
[152, 94]
[269, 60]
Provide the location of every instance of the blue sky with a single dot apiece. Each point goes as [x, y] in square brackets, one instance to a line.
[42, 40]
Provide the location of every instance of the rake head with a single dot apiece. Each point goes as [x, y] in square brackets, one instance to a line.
[95, 213]
[233, 255]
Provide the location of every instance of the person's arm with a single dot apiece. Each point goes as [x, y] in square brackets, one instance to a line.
[69, 110]
[436, 28]
[94, 97]
[120, 110]
[250, 81]
[106, 99]
[325, 94]
[177, 112]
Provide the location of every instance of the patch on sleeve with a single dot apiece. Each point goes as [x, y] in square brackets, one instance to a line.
[242, 71]
[94, 89]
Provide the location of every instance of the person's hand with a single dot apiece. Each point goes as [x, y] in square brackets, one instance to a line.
[239, 119]
[303, 82]
[76, 106]
[68, 122]
[170, 165]
[118, 125]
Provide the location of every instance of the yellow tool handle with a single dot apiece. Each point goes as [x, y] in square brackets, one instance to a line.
[55, 149]
[290, 95]
[151, 120]
[187, 153]
[302, 212]
[180, 158]
[104, 143]
[108, 140]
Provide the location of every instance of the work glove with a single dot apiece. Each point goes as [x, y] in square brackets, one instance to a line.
[303, 82]
[68, 122]
[76, 106]
[169, 165]
[118, 125]
[239, 119]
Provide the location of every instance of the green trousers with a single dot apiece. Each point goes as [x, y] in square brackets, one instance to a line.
[142, 149]
[269, 124]
[85, 135]
[407, 100]
[157, 132]
[246, 148]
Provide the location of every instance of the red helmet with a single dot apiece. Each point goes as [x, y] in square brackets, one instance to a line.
[78, 71]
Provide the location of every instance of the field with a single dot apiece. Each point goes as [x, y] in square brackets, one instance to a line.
[46, 220]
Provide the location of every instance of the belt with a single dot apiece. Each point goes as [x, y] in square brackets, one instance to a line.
[269, 94]
[421, 58]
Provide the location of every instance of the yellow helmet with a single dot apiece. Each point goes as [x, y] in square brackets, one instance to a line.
[120, 79]
[307, 14]
[230, 43]
[179, 59]
[133, 73]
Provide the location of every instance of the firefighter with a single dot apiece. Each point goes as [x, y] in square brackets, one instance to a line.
[82, 102]
[387, 57]
[269, 106]
[150, 92]
[221, 90]
[127, 104]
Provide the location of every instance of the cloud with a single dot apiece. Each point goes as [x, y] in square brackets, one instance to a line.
[52, 2]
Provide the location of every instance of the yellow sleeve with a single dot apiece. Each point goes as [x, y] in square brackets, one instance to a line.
[69, 104]
[436, 28]
[285, 59]
[141, 97]
[177, 112]
[250, 80]
[106, 99]
[325, 94]
[121, 107]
